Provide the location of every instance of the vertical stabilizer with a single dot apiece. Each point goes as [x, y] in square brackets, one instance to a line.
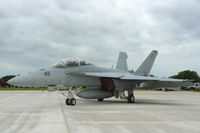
[146, 66]
[121, 62]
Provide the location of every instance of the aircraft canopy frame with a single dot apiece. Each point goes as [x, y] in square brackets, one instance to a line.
[69, 62]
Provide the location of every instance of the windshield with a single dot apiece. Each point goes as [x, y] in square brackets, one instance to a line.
[69, 62]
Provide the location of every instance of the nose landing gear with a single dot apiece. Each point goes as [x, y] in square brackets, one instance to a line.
[70, 97]
[71, 101]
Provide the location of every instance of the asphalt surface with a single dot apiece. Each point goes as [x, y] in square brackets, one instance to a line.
[153, 112]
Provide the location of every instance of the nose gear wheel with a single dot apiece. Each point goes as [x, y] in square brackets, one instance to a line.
[70, 100]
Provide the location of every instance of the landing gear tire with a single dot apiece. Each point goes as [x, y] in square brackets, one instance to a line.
[67, 101]
[70, 101]
[131, 99]
[73, 101]
[100, 99]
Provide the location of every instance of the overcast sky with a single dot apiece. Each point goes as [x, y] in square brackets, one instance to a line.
[35, 34]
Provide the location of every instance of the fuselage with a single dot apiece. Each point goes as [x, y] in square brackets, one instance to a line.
[61, 77]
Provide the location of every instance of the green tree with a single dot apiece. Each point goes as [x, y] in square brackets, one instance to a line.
[187, 74]
[151, 75]
[6, 78]
[131, 71]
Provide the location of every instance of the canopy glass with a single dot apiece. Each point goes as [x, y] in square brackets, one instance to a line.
[69, 62]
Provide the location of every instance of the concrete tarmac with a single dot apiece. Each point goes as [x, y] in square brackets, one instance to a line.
[153, 112]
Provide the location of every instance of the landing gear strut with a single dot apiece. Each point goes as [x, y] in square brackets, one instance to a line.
[70, 97]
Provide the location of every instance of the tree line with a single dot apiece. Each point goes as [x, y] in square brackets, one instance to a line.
[3, 80]
[187, 74]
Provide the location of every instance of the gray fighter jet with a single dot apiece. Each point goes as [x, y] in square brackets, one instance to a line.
[101, 82]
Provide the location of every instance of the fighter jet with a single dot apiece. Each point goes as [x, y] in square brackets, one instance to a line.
[101, 82]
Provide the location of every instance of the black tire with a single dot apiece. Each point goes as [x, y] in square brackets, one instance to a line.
[192, 88]
[131, 99]
[100, 99]
[73, 101]
[67, 101]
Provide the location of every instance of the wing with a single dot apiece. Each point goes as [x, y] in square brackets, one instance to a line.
[113, 75]
[147, 78]
[126, 76]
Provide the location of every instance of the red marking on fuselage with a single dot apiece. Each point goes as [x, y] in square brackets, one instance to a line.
[110, 87]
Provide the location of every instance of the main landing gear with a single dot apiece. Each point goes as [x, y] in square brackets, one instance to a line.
[70, 97]
[123, 95]
[131, 98]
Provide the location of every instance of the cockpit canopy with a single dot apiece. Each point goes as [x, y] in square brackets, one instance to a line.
[69, 62]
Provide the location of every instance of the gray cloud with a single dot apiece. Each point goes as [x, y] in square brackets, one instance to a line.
[35, 34]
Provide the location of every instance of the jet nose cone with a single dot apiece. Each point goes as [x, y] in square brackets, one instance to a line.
[11, 81]
[22, 80]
